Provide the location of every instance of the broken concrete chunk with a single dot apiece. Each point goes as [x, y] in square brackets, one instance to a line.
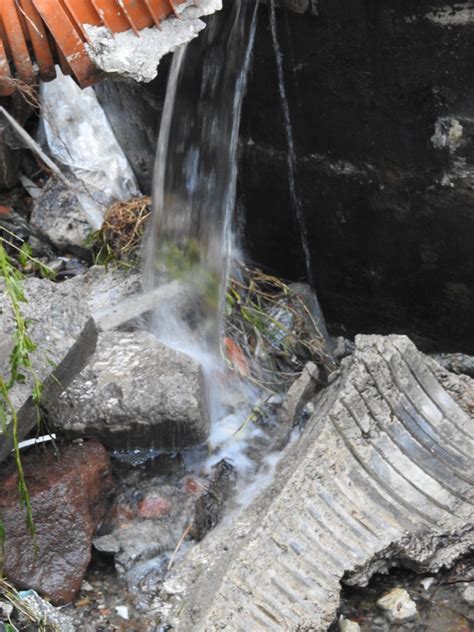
[60, 325]
[135, 392]
[381, 476]
[299, 394]
[58, 215]
[398, 605]
[129, 57]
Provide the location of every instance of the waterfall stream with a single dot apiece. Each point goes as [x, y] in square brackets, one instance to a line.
[193, 202]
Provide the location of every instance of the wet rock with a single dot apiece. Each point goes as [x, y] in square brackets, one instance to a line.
[381, 476]
[299, 394]
[135, 393]
[107, 544]
[468, 595]
[143, 546]
[69, 497]
[211, 504]
[342, 347]
[153, 506]
[346, 625]
[398, 605]
[58, 216]
[60, 325]
[45, 614]
[103, 288]
[456, 362]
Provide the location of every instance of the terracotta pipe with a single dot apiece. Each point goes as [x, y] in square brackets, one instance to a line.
[38, 33]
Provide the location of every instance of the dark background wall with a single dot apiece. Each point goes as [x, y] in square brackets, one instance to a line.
[389, 209]
[381, 94]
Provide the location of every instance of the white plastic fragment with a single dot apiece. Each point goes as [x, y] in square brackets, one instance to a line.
[427, 582]
[80, 137]
[29, 442]
[122, 612]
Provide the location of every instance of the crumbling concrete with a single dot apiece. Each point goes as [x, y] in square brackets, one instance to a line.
[135, 393]
[60, 325]
[382, 476]
[130, 57]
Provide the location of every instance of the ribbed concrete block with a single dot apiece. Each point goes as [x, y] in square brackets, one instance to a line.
[382, 475]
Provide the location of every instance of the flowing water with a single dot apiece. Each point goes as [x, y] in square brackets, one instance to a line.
[193, 203]
[291, 154]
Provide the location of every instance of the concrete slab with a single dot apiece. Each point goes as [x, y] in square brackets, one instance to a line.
[381, 476]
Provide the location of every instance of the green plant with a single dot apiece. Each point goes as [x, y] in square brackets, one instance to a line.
[19, 360]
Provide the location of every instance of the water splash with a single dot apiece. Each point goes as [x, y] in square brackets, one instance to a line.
[291, 154]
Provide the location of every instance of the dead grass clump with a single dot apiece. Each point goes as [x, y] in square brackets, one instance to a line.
[270, 332]
[120, 236]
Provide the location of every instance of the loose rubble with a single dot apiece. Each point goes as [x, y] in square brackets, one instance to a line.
[398, 605]
[362, 490]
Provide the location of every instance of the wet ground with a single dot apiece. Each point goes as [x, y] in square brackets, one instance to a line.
[439, 600]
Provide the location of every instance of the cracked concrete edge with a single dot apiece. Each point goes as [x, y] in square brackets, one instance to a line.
[59, 379]
[126, 56]
[341, 496]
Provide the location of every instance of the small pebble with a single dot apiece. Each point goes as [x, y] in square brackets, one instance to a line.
[122, 612]
[468, 595]
[398, 605]
[346, 625]
[86, 587]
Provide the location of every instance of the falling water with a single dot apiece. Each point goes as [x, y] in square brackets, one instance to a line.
[189, 245]
[291, 155]
[195, 179]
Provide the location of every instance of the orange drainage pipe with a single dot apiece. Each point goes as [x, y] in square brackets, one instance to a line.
[34, 34]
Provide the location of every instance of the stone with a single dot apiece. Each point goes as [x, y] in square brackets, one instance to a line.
[58, 216]
[45, 614]
[299, 394]
[135, 393]
[107, 544]
[456, 362]
[153, 506]
[346, 625]
[468, 595]
[398, 605]
[69, 497]
[381, 476]
[59, 324]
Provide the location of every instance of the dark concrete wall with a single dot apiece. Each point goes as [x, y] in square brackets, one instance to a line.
[389, 209]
